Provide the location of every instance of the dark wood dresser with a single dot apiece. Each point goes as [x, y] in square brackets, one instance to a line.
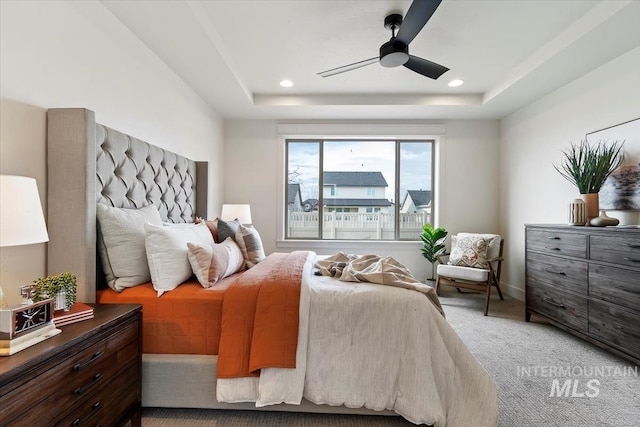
[88, 375]
[586, 280]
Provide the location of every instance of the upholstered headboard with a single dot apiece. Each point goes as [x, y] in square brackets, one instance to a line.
[89, 163]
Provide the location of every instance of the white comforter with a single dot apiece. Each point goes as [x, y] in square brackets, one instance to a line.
[379, 347]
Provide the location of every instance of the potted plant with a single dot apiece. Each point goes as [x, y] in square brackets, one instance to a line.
[61, 287]
[432, 245]
[587, 167]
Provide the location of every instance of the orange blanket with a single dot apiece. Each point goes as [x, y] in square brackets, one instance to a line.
[260, 316]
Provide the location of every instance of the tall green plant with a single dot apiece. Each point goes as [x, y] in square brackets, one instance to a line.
[433, 244]
[587, 166]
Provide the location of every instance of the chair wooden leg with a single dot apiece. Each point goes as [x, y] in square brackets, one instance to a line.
[486, 301]
[437, 286]
[499, 291]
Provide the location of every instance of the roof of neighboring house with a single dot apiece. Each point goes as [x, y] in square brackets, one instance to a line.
[420, 197]
[293, 191]
[354, 179]
[357, 202]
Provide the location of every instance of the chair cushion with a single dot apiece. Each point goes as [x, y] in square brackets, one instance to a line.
[463, 273]
[473, 250]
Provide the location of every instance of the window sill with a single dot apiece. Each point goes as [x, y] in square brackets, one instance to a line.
[347, 244]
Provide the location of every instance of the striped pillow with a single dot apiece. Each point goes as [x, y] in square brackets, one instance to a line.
[212, 263]
[251, 245]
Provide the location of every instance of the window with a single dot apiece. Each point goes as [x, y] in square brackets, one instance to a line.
[361, 189]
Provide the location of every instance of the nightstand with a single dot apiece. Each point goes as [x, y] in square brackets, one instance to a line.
[90, 374]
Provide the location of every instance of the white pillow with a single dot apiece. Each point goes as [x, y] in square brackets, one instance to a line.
[121, 244]
[251, 245]
[212, 263]
[167, 252]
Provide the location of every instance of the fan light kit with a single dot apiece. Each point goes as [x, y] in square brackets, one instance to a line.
[395, 52]
[286, 83]
[455, 83]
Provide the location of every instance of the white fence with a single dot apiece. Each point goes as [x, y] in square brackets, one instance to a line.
[355, 226]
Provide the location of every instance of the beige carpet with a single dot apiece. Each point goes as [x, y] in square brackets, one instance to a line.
[520, 356]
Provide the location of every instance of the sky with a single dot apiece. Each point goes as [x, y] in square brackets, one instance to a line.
[364, 156]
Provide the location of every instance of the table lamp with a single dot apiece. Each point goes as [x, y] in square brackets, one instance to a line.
[241, 212]
[22, 223]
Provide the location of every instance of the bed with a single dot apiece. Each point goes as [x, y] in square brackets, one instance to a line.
[433, 380]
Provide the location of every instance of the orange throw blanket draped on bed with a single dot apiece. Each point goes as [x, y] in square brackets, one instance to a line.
[260, 315]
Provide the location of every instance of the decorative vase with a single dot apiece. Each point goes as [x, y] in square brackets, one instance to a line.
[577, 212]
[603, 220]
[593, 205]
[60, 301]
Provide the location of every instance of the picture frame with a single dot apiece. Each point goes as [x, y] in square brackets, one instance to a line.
[621, 190]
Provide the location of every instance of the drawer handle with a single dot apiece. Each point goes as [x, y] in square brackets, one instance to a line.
[554, 249]
[92, 359]
[94, 380]
[562, 273]
[631, 259]
[552, 302]
[553, 237]
[78, 422]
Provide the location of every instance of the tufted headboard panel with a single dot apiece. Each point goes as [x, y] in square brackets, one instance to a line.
[88, 163]
[131, 173]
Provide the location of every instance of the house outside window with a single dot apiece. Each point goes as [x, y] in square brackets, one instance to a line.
[363, 189]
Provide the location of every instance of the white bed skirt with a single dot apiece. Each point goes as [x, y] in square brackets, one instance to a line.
[189, 381]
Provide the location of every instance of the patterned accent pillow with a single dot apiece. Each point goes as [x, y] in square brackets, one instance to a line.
[212, 263]
[227, 229]
[469, 250]
[251, 245]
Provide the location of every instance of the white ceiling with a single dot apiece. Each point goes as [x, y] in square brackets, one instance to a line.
[508, 52]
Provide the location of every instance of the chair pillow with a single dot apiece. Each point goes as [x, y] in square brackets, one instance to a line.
[251, 245]
[167, 252]
[121, 247]
[470, 250]
[212, 263]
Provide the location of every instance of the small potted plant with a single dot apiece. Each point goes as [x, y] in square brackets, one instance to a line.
[587, 167]
[432, 245]
[61, 287]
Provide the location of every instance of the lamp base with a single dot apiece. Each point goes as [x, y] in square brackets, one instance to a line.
[9, 347]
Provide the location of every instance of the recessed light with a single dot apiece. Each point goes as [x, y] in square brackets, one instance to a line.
[286, 83]
[456, 82]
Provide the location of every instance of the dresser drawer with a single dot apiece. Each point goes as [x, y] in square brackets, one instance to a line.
[106, 406]
[615, 325]
[617, 250]
[62, 386]
[565, 307]
[616, 285]
[562, 273]
[557, 243]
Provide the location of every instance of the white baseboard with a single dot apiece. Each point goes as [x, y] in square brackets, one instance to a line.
[512, 291]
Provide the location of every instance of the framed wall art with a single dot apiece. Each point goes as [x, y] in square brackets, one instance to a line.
[621, 190]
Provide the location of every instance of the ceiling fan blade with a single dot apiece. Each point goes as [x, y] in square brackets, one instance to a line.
[349, 67]
[417, 16]
[425, 67]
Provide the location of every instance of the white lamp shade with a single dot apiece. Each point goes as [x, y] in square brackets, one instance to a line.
[21, 218]
[241, 212]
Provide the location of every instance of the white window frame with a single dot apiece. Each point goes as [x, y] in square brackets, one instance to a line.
[398, 131]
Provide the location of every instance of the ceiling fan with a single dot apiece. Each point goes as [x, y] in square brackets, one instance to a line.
[395, 52]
